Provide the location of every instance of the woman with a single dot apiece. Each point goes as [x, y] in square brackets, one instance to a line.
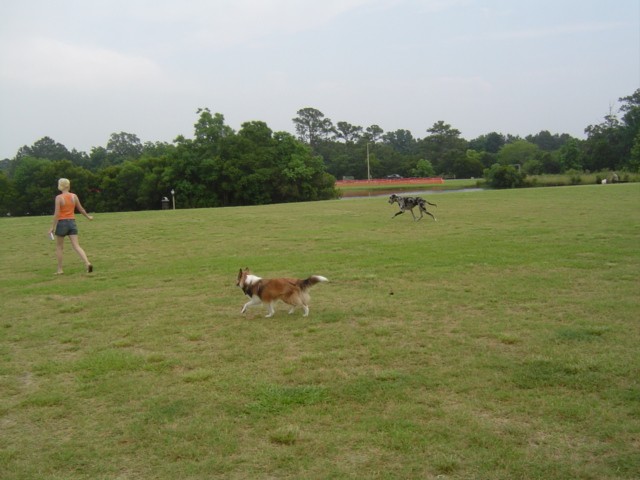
[64, 223]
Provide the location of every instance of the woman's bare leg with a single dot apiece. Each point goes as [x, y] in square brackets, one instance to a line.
[76, 246]
[59, 253]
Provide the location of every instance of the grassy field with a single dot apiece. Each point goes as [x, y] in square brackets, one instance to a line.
[501, 342]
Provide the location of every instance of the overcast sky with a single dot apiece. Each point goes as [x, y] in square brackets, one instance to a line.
[79, 70]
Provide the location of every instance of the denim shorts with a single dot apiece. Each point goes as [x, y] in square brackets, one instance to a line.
[66, 227]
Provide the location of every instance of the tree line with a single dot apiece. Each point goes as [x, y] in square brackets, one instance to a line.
[217, 167]
[612, 145]
[255, 165]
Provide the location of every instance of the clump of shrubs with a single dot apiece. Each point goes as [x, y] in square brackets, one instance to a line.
[504, 176]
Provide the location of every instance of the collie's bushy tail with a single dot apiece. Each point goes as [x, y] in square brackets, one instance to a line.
[311, 281]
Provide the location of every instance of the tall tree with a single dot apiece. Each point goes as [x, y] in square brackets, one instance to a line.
[444, 148]
[210, 130]
[401, 141]
[548, 142]
[35, 181]
[45, 148]
[197, 166]
[8, 196]
[374, 133]
[631, 111]
[634, 161]
[299, 175]
[569, 156]
[122, 147]
[605, 147]
[518, 153]
[491, 142]
[312, 126]
[347, 132]
[249, 167]
[153, 186]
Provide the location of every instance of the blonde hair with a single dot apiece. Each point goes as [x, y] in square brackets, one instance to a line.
[64, 184]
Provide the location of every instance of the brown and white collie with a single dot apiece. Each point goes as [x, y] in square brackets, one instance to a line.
[292, 291]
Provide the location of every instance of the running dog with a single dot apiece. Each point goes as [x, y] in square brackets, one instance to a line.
[409, 203]
[292, 291]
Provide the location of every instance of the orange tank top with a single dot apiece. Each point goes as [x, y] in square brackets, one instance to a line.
[67, 207]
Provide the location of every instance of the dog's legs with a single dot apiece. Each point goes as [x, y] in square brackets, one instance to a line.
[271, 310]
[306, 310]
[399, 213]
[250, 303]
[414, 216]
[291, 310]
[422, 209]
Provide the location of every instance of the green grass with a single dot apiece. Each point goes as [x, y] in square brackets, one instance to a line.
[499, 342]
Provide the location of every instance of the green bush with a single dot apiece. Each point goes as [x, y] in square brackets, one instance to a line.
[504, 176]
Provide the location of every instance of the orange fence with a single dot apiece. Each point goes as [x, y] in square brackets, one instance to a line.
[390, 181]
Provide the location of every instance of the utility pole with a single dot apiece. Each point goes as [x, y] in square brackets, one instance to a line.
[368, 170]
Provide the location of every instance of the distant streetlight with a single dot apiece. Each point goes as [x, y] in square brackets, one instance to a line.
[368, 169]
[173, 197]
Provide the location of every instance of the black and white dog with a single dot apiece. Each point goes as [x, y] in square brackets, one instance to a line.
[409, 203]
